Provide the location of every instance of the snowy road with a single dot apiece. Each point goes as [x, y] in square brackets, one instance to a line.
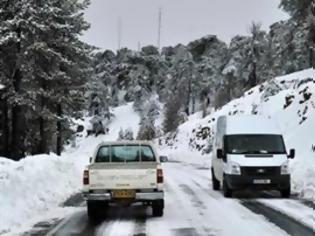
[193, 208]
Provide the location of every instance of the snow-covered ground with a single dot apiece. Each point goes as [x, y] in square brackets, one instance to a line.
[35, 187]
[289, 100]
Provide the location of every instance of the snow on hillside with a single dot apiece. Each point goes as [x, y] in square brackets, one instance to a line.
[289, 100]
[35, 187]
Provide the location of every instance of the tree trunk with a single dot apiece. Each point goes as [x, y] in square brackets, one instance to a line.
[188, 99]
[42, 137]
[16, 147]
[59, 129]
[253, 76]
[42, 131]
[6, 132]
[204, 107]
[17, 134]
[311, 57]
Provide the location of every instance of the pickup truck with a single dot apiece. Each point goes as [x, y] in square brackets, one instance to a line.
[123, 172]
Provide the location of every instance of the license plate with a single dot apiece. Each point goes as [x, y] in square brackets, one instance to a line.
[123, 194]
[262, 181]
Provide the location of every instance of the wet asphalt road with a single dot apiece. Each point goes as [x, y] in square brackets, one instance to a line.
[137, 220]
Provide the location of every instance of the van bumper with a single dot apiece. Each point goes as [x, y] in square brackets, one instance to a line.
[140, 197]
[277, 182]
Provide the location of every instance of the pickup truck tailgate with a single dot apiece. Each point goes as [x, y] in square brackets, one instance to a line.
[123, 176]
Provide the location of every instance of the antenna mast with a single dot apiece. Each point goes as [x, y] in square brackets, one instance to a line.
[119, 32]
[159, 29]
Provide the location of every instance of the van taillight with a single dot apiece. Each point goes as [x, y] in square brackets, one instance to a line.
[159, 174]
[86, 177]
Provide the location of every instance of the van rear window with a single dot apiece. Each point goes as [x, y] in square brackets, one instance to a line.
[125, 153]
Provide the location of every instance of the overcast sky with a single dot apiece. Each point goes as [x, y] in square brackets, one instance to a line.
[182, 20]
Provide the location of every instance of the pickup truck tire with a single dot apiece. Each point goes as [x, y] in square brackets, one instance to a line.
[158, 208]
[286, 193]
[227, 192]
[215, 182]
[92, 210]
[95, 209]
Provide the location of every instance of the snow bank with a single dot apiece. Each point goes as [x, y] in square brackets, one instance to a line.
[289, 100]
[36, 186]
[32, 186]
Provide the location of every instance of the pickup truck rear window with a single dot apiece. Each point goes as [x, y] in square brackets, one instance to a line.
[127, 153]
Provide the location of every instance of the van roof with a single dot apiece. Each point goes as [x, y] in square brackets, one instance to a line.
[250, 124]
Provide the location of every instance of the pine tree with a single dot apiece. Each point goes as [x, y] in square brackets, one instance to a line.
[73, 66]
[230, 73]
[147, 129]
[172, 116]
[45, 66]
[311, 33]
[128, 134]
[121, 134]
[303, 12]
[254, 54]
[11, 60]
[298, 9]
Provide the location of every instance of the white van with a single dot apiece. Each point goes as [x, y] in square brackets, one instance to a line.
[249, 152]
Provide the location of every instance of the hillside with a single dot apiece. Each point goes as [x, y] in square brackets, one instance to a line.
[289, 100]
[50, 179]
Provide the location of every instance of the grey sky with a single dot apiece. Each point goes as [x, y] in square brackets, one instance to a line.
[183, 20]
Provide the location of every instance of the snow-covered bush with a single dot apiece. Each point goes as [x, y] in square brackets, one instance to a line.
[126, 134]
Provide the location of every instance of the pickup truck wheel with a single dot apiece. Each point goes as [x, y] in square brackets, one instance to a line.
[227, 192]
[215, 182]
[158, 208]
[286, 193]
[93, 210]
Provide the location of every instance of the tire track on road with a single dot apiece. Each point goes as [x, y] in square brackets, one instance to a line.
[197, 203]
[124, 221]
[172, 196]
[288, 224]
[140, 227]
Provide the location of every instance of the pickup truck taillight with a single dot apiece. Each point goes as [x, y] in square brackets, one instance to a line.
[159, 174]
[86, 180]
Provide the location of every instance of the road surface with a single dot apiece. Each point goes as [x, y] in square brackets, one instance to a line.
[192, 208]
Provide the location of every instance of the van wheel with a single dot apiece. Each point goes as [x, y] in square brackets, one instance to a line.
[286, 193]
[158, 208]
[215, 182]
[227, 192]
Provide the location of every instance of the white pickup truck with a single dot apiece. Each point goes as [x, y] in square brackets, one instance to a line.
[123, 172]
